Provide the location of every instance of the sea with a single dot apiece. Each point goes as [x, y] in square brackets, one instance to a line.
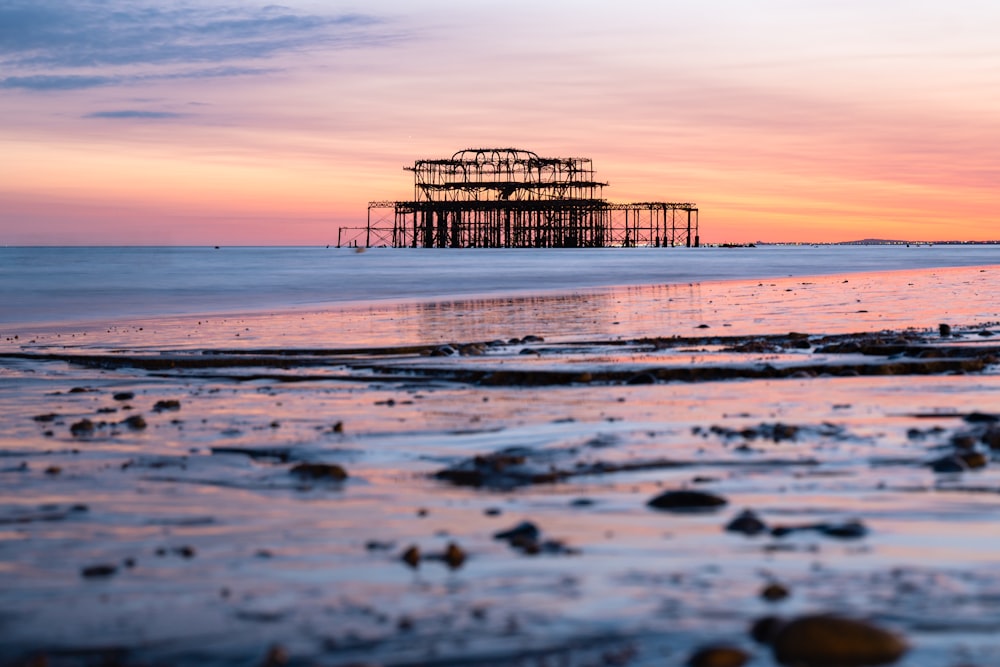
[73, 284]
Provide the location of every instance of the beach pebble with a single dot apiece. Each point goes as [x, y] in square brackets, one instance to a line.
[774, 592]
[718, 656]
[82, 428]
[135, 422]
[848, 530]
[319, 471]
[525, 530]
[974, 459]
[412, 556]
[123, 396]
[833, 641]
[852, 529]
[944, 330]
[454, 556]
[171, 404]
[747, 522]
[98, 571]
[963, 441]
[991, 437]
[683, 500]
[948, 464]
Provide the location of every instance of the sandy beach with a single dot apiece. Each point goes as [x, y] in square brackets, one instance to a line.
[453, 481]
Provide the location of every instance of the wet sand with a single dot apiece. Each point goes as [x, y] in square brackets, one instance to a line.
[327, 487]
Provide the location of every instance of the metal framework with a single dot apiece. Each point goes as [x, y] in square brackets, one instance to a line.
[512, 198]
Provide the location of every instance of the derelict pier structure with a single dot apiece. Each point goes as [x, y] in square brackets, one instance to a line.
[512, 198]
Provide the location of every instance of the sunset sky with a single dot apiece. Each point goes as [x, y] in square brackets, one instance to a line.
[223, 122]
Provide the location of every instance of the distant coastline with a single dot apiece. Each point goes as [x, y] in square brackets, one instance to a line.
[859, 242]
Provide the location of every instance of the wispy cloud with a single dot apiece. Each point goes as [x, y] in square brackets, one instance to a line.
[134, 114]
[39, 36]
[45, 82]
[55, 82]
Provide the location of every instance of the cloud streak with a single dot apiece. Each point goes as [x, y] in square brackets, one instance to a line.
[43, 82]
[134, 114]
[46, 35]
[50, 82]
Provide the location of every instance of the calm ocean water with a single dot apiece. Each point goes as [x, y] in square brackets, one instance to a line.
[72, 284]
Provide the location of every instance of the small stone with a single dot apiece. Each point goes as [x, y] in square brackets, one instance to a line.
[944, 330]
[454, 556]
[98, 571]
[377, 545]
[135, 422]
[123, 396]
[319, 471]
[774, 592]
[949, 464]
[532, 339]
[963, 441]
[718, 656]
[43, 419]
[522, 531]
[185, 551]
[53, 470]
[338, 427]
[684, 500]
[412, 556]
[973, 459]
[747, 522]
[991, 437]
[823, 640]
[82, 428]
[167, 405]
[784, 432]
[847, 531]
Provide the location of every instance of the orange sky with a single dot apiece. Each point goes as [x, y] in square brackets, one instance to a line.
[227, 123]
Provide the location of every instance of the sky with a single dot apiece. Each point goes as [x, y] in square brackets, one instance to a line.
[237, 123]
